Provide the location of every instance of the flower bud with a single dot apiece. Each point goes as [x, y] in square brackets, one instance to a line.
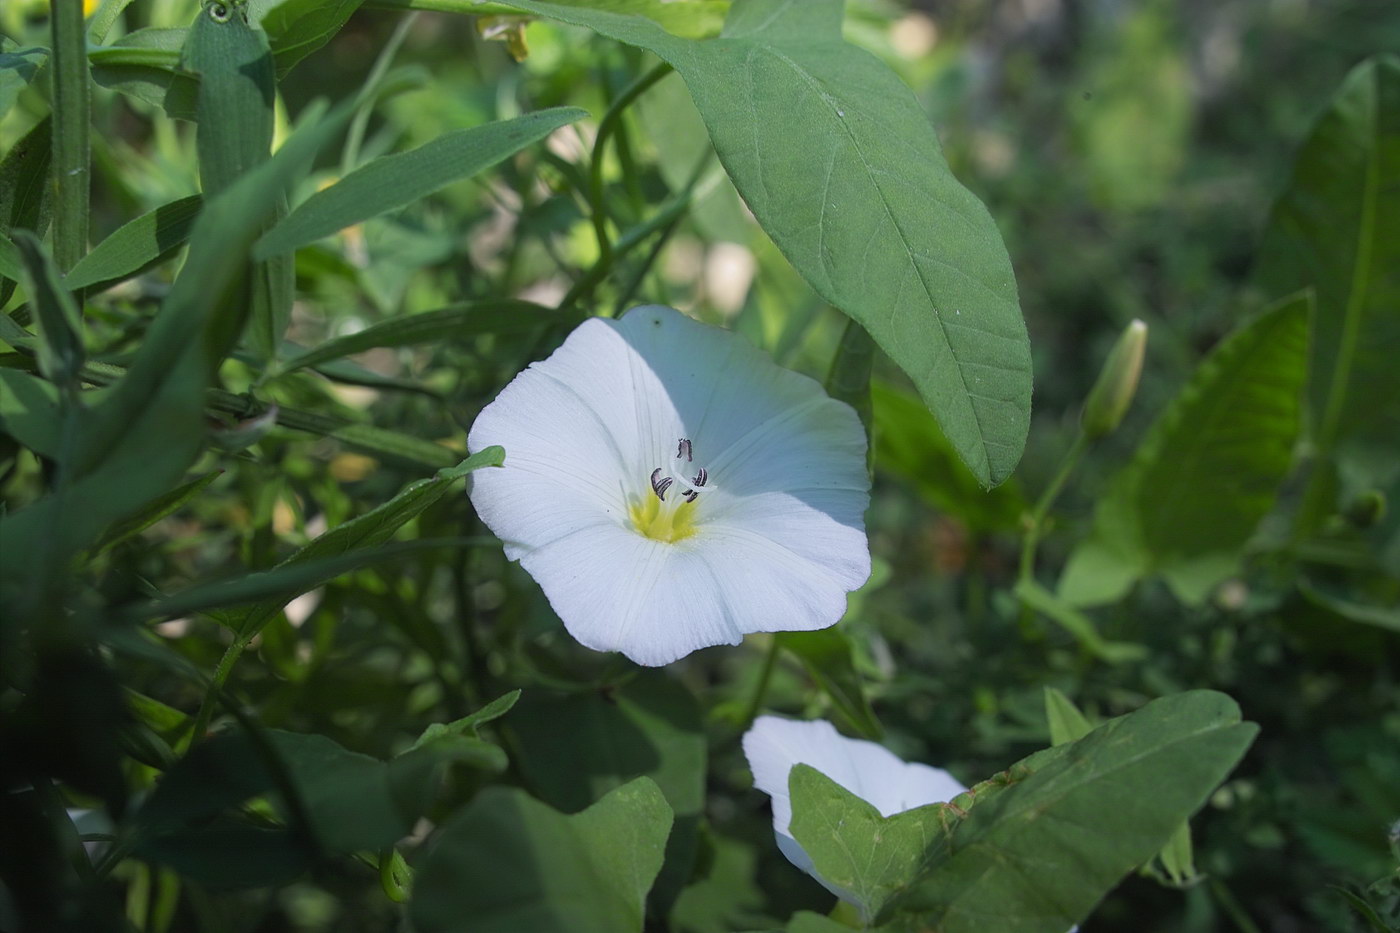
[1111, 395]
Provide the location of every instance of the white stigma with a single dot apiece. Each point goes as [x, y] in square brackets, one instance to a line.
[683, 473]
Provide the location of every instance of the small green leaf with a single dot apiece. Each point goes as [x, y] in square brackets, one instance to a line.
[1034, 854]
[1207, 471]
[510, 864]
[18, 66]
[870, 857]
[827, 656]
[1067, 723]
[394, 180]
[491, 316]
[61, 352]
[468, 725]
[145, 64]
[136, 246]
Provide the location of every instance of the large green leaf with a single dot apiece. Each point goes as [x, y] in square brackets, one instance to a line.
[1336, 230]
[508, 863]
[145, 64]
[1206, 473]
[576, 747]
[296, 28]
[839, 164]
[60, 350]
[395, 180]
[1035, 856]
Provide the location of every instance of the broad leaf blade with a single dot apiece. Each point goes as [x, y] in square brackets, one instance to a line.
[394, 180]
[511, 864]
[1036, 855]
[1206, 473]
[1336, 230]
[838, 162]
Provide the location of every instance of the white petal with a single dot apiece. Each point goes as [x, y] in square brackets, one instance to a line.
[872, 772]
[780, 533]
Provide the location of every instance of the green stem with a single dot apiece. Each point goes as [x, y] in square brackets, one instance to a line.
[1035, 524]
[760, 689]
[355, 136]
[211, 695]
[625, 244]
[72, 114]
[606, 128]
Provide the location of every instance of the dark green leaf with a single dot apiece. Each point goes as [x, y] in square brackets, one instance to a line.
[29, 412]
[296, 28]
[510, 864]
[1034, 596]
[395, 180]
[24, 189]
[1207, 471]
[576, 747]
[838, 162]
[1336, 230]
[145, 64]
[910, 445]
[154, 511]
[61, 353]
[136, 246]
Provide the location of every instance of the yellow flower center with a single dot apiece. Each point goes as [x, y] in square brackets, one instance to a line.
[663, 521]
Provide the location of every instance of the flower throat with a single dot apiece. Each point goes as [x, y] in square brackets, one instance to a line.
[672, 520]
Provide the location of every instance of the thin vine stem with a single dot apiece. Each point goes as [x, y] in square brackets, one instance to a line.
[606, 128]
[1035, 524]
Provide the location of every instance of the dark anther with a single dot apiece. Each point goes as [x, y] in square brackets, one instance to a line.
[683, 449]
[701, 478]
[659, 485]
[691, 495]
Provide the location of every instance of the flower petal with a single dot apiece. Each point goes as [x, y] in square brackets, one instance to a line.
[773, 746]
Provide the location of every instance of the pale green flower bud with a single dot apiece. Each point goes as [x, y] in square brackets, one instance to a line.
[1111, 395]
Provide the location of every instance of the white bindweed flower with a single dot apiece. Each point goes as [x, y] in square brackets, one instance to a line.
[670, 487]
[774, 746]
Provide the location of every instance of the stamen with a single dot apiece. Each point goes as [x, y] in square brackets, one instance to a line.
[691, 495]
[701, 478]
[660, 484]
[683, 449]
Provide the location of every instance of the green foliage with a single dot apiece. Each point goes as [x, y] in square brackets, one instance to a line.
[1207, 472]
[252, 628]
[926, 274]
[1038, 853]
[511, 863]
[1333, 231]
